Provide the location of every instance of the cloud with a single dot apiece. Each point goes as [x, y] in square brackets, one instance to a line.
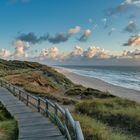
[5, 53]
[49, 53]
[74, 30]
[32, 38]
[134, 41]
[59, 38]
[85, 35]
[124, 6]
[77, 51]
[78, 56]
[131, 27]
[63, 37]
[91, 56]
[21, 48]
[131, 54]
[96, 52]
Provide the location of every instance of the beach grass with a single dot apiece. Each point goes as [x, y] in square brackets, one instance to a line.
[96, 130]
[8, 126]
[118, 113]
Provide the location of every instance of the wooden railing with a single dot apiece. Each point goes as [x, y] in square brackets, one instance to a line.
[62, 118]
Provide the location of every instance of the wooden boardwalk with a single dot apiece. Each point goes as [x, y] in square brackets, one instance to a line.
[32, 125]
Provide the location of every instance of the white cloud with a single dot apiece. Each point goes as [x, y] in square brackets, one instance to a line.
[5, 53]
[74, 30]
[49, 53]
[77, 51]
[21, 48]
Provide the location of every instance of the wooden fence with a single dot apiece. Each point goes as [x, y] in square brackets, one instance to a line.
[62, 118]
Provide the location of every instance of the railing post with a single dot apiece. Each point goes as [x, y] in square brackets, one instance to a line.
[47, 109]
[19, 96]
[66, 119]
[14, 90]
[27, 100]
[38, 105]
[55, 112]
[79, 134]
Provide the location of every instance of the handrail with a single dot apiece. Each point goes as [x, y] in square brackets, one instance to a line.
[70, 128]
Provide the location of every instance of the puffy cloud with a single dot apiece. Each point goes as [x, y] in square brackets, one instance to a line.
[131, 54]
[96, 52]
[4, 53]
[131, 27]
[85, 35]
[49, 53]
[44, 52]
[74, 30]
[32, 38]
[134, 41]
[78, 51]
[21, 48]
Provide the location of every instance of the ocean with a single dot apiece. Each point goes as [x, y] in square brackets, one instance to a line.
[124, 76]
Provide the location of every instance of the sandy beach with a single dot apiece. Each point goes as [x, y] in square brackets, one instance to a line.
[101, 85]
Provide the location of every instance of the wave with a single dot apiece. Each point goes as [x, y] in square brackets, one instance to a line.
[128, 77]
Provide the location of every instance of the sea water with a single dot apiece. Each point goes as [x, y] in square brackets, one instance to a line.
[125, 76]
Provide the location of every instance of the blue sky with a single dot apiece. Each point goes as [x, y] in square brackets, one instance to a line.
[44, 17]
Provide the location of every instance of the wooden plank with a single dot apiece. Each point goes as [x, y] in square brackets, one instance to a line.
[32, 125]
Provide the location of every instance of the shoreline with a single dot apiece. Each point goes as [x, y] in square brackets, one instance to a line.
[95, 83]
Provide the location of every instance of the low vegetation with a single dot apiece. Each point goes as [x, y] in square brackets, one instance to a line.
[8, 126]
[95, 130]
[121, 114]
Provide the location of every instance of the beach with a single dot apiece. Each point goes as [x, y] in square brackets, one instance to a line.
[95, 83]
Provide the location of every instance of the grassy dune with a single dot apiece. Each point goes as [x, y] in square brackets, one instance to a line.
[120, 114]
[8, 126]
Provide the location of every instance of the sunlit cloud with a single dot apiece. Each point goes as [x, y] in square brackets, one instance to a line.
[74, 30]
[133, 41]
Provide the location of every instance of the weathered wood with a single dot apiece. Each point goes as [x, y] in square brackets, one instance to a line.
[32, 125]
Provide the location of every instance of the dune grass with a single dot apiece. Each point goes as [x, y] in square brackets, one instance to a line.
[8, 126]
[95, 130]
[8, 130]
[116, 112]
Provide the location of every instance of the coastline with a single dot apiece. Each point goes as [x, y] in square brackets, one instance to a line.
[95, 83]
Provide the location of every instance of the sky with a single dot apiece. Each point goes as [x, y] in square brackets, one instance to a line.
[71, 31]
